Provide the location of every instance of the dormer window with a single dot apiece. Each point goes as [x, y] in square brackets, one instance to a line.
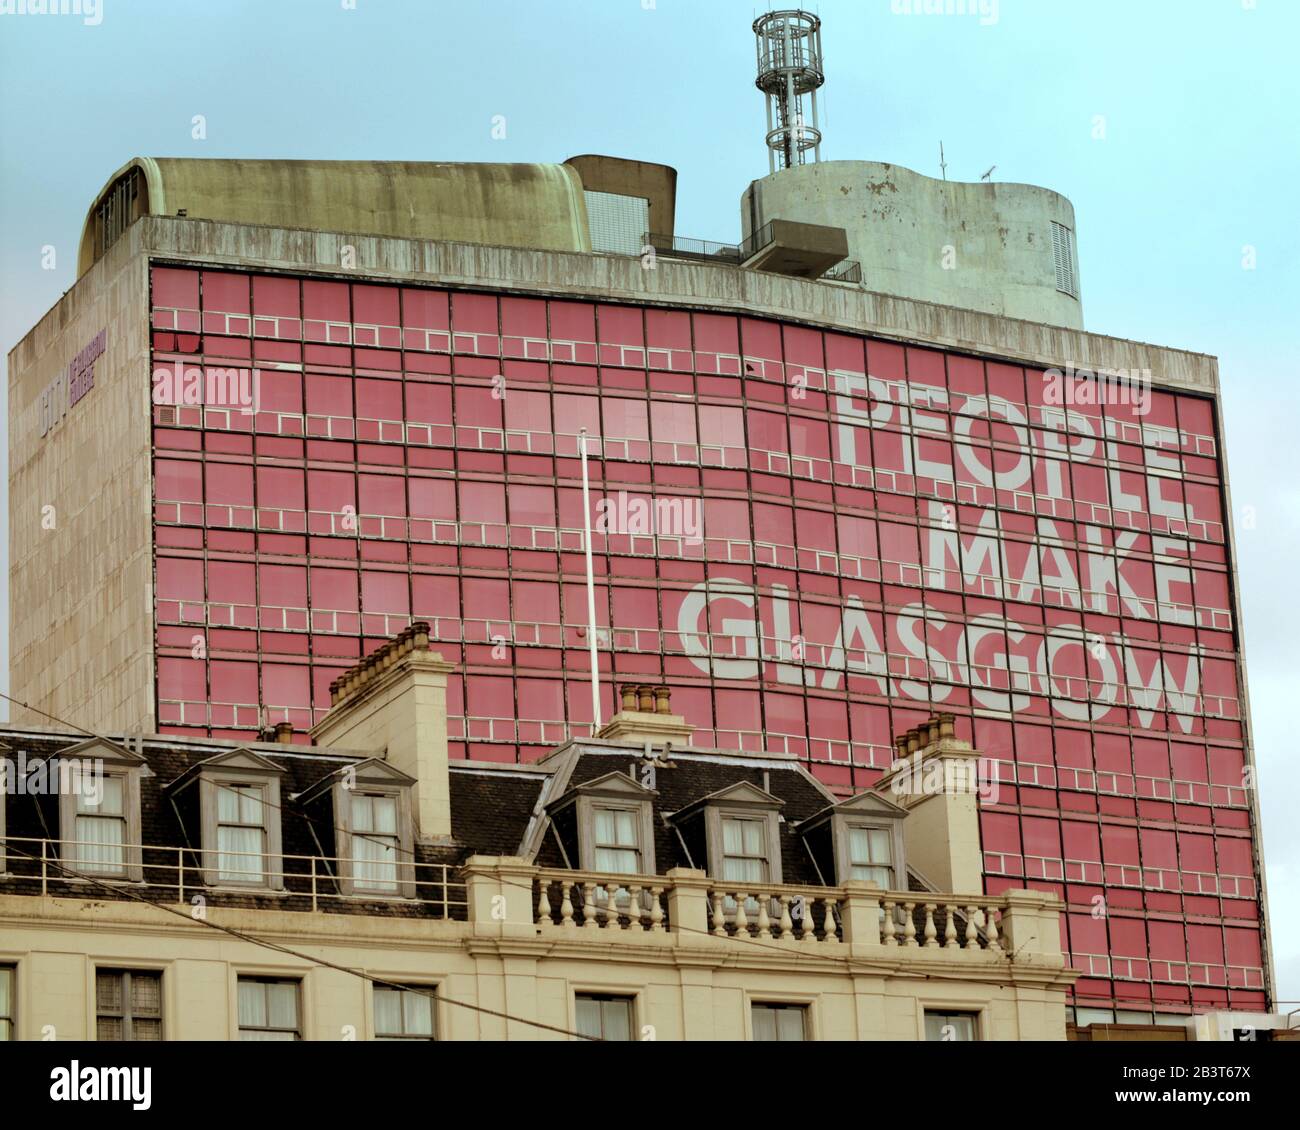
[860, 838]
[745, 855]
[241, 832]
[606, 825]
[616, 838]
[238, 814]
[99, 809]
[741, 833]
[374, 827]
[871, 854]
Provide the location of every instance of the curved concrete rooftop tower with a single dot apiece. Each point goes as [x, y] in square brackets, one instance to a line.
[1005, 249]
[534, 206]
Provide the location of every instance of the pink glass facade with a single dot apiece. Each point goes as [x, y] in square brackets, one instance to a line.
[848, 535]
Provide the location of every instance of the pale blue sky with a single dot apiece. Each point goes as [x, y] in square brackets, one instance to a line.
[1200, 158]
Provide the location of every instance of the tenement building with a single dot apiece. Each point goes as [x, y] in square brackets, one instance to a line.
[627, 886]
[858, 470]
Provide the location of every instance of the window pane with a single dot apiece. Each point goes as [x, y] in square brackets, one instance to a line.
[239, 855]
[227, 804]
[789, 1023]
[282, 1005]
[764, 1023]
[108, 992]
[732, 837]
[617, 1017]
[100, 842]
[146, 995]
[949, 1026]
[588, 1014]
[110, 1028]
[150, 1030]
[385, 814]
[625, 828]
[604, 1018]
[374, 861]
[102, 797]
[252, 1004]
[618, 861]
[388, 1012]
[417, 1013]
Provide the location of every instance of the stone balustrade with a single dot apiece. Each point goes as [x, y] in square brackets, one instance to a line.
[686, 907]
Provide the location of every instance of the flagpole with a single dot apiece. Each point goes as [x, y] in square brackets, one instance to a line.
[591, 581]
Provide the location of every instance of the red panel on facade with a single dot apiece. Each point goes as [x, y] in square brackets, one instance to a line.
[815, 538]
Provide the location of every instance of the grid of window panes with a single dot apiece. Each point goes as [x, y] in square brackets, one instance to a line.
[128, 1005]
[815, 538]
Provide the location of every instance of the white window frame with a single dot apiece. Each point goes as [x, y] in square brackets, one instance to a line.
[242, 768]
[259, 979]
[118, 764]
[804, 1011]
[366, 780]
[602, 997]
[429, 992]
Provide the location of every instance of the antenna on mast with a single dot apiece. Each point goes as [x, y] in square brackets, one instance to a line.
[790, 71]
[943, 165]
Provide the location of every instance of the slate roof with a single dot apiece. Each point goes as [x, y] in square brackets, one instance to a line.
[694, 777]
[495, 810]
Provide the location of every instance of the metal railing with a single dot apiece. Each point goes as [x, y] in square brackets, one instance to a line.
[300, 882]
[683, 247]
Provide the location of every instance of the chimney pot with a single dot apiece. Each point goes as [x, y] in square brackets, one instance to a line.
[646, 698]
[629, 696]
[284, 733]
[947, 726]
[913, 740]
[662, 695]
[420, 635]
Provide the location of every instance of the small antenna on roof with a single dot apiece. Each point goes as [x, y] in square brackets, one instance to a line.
[943, 165]
[989, 174]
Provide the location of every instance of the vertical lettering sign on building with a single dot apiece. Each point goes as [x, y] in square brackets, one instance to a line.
[63, 393]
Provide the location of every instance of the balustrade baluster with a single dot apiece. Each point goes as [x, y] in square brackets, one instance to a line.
[656, 911]
[787, 926]
[930, 932]
[828, 923]
[809, 931]
[543, 904]
[589, 906]
[972, 934]
[566, 905]
[890, 926]
[950, 926]
[742, 919]
[719, 918]
[991, 928]
[611, 907]
[764, 922]
[909, 923]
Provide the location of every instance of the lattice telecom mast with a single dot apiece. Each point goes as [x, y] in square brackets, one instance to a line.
[789, 73]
